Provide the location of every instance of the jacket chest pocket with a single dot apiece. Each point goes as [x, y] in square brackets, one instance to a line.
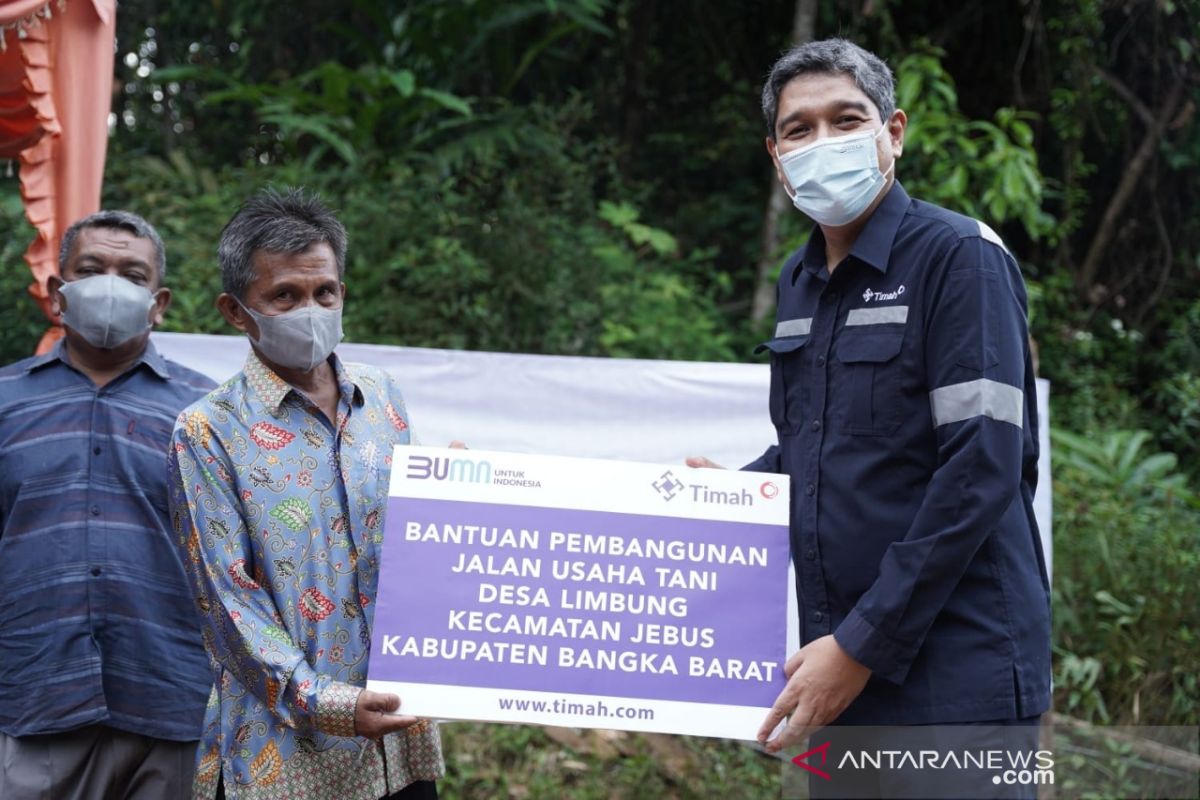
[786, 384]
[872, 381]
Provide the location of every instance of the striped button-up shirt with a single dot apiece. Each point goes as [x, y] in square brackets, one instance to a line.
[903, 394]
[97, 623]
[279, 512]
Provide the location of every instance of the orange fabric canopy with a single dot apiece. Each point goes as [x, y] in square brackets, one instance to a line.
[56, 72]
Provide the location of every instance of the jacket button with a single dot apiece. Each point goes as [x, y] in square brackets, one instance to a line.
[810, 490]
[820, 361]
[95, 511]
[96, 571]
[817, 616]
[816, 424]
[810, 554]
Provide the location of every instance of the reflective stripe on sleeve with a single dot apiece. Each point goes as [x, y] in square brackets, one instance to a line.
[794, 327]
[883, 315]
[987, 234]
[981, 398]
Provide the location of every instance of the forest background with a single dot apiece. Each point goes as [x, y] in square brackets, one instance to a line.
[588, 177]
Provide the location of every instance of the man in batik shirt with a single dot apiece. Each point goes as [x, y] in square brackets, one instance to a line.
[279, 484]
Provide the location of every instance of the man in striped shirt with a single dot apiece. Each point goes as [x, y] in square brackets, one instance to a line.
[103, 678]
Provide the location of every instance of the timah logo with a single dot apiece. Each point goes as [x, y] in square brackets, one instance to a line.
[668, 485]
[870, 295]
[465, 470]
[802, 762]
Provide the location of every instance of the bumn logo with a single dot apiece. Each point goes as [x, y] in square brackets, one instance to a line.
[440, 469]
[668, 485]
[801, 761]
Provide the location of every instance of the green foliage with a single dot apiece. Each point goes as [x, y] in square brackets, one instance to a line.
[336, 109]
[23, 321]
[1096, 763]
[654, 313]
[1175, 396]
[507, 249]
[1127, 550]
[1077, 680]
[491, 760]
[1119, 460]
[1091, 360]
[985, 169]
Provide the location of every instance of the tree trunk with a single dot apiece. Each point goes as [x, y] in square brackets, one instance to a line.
[778, 202]
[633, 61]
[1088, 272]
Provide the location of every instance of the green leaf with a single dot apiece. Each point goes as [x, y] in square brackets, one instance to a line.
[619, 215]
[660, 241]
[404, 81]
[447, 101]
[1155, 468]
[293, 124]
[1132, 446]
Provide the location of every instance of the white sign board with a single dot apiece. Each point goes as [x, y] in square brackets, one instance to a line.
[582, 592]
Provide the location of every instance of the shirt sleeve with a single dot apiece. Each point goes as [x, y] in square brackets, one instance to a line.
[977, 361]
[397, 412]
[239, 621]
[770, 460]
[767, 462]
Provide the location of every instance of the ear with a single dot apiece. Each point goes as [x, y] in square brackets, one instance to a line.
[897, 126]
[773, 151]
[343, 294]
[235, 315]
[58, 303]
[162, 301]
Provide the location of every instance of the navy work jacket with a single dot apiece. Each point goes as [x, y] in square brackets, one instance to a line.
[903, 393]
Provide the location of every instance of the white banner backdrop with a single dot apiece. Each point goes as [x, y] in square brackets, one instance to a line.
[626, 409]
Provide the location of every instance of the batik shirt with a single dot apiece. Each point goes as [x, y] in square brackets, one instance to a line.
[279, 514]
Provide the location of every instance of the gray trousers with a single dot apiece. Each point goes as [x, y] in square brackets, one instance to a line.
[95, 763]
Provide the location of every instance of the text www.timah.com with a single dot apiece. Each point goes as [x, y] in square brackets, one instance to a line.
[596, 709]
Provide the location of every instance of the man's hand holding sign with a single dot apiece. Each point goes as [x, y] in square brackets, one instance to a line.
[822, 681]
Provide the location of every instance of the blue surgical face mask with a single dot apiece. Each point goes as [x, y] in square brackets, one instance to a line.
[834, 179]
[300, 339]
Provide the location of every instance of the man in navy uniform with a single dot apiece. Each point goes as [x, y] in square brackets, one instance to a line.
[902, 391]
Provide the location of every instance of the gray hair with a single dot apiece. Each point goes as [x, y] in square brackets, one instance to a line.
[830, 56]
[117, 220]
[288, 221]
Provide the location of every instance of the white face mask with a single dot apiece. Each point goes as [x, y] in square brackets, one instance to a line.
[834, 179]
[106, 310]
[300, 339]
